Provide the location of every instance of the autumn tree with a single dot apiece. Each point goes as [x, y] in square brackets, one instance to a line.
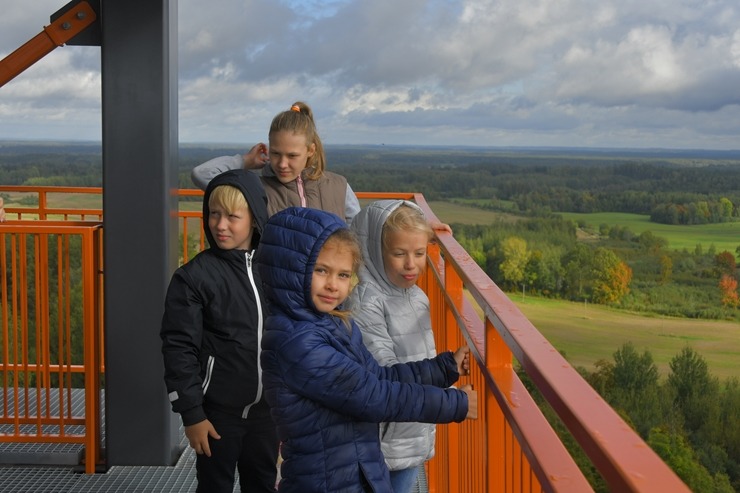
[728, 288]
[612, 276]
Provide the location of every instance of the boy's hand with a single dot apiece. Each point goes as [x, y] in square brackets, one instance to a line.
[472, 401]
[462, 356]
[257, 157]
[198, 436]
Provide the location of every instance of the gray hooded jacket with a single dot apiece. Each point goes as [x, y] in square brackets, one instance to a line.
[396, 328]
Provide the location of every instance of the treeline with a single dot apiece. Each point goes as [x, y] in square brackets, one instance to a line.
[670, 193]
[690, 419]
[543, 256]
[673, 188]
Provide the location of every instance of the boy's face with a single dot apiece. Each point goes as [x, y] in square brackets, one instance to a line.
[332, 277]
[404, 257]
[289, 154]
[231, 231]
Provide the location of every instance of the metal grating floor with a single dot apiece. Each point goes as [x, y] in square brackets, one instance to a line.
[129, 479]
[166, 479]
[119, 479]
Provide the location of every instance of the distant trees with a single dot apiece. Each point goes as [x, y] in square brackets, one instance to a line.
[699, 212]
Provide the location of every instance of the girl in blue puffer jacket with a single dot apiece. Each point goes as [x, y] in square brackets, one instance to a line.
[326, 392]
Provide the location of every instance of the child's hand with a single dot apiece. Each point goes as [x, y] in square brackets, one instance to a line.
[257, 157]
[472, 401]
[462, 356]
[2, 210]
[198, 436]
[437, 226]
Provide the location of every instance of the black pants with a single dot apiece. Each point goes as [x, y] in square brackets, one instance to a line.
[249, 444]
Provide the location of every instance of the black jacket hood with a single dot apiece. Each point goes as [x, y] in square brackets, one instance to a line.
[251, 186]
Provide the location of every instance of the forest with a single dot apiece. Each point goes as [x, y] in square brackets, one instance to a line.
[688, 416]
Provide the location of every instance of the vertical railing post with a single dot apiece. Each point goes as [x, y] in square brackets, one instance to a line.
[91, 330]
[497, 361]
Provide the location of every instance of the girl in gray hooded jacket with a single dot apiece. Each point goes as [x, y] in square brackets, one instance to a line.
[392, 313]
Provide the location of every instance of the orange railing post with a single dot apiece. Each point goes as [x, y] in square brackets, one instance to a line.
[44, 357]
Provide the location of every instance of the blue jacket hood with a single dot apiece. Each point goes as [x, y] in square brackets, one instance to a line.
[291, 242]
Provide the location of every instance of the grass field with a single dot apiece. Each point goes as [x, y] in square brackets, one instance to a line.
[449, 213]
[587, 333]
[724, 236]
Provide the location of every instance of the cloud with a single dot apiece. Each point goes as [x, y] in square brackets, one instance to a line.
[475, 72]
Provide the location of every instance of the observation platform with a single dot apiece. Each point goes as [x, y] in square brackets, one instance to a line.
[49, 353]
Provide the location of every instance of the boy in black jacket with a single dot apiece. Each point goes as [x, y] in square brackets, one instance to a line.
[211, 334]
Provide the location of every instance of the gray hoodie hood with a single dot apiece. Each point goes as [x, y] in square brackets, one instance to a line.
[368, 226]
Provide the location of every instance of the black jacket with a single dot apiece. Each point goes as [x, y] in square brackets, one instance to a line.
[212, 324]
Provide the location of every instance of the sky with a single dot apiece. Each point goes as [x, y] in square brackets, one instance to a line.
[570, 73]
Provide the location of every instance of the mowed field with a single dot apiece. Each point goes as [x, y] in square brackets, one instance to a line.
[587, 333]
[724, 236]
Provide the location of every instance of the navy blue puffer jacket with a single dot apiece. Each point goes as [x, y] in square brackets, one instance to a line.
[326, 392]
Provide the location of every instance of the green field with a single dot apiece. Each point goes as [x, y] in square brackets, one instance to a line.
[587, 333]
[449, 213]
[724, 236]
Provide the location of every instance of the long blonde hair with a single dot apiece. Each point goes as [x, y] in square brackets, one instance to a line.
[299, 120]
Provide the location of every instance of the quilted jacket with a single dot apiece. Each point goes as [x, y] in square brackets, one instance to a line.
[326, 392]
[396, 327]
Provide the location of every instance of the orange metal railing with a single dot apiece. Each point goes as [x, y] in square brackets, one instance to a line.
[51, 269]
[511, 447]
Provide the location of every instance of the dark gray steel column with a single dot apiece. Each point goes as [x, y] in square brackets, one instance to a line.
[140, 142]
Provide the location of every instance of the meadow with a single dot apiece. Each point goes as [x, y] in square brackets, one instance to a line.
[586, 333]
[724, 236]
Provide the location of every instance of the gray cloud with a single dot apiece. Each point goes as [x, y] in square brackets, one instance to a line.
[526, 72]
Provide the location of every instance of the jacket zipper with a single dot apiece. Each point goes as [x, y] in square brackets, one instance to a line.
[301, 191]
[249, 256]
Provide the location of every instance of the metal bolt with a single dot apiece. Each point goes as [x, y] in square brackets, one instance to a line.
[81, 15]
[66, 26]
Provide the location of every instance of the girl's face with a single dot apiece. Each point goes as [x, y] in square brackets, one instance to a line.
[289, 154]
[404, 256]
[231, 231]
[332, 276]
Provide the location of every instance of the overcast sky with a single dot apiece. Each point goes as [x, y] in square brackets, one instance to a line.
[607, 73]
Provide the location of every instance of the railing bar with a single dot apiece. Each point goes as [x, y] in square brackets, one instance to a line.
[15, 282]
[66, 330]
[24, 320]
[5, 325]
[40, 273]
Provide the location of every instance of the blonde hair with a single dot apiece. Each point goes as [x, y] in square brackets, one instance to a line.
[299, 120]
[228, 198]
[405, 219]
[347, 239]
